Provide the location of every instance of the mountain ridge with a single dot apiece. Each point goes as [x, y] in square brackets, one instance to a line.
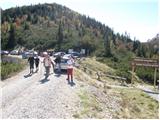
[77, 31]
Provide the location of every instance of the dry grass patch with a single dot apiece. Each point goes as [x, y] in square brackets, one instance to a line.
[94, 66]
[105, 101]
[90, 107]
[136, 104]
[91, 63]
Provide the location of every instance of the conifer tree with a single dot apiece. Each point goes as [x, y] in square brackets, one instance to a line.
[60, 36]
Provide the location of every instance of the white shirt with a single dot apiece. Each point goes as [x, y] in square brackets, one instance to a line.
[70, 63]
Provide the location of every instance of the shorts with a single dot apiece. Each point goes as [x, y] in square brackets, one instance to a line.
[70, 71]
[31, 66]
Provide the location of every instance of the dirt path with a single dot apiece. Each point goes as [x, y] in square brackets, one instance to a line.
[34, 96]
[148, 91]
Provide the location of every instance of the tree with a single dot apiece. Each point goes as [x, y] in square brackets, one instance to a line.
[144, 50]
[11, 41]
[140, 51]
[26, 26]
[107, 46]
[4, 40]
[86, 43]
[29, 17]
[35, 19]
[60, 36]
[20, 40]
[8, 18]
[136, 44]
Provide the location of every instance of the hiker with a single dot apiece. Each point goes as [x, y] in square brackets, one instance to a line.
[58, 62]
[47, 63]
[37, 62]
[70, 63]
[31, 63]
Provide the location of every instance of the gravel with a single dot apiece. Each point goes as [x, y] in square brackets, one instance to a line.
[37, 97]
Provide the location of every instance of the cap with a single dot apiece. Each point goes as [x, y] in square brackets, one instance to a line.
[45, 53]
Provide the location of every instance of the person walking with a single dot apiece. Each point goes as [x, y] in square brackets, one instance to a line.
[47, 63]
[58, 62]
[31, 63]
[37, 62]
[70, 63]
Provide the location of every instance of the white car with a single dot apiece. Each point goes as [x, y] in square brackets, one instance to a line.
[14, 52]
[25, 55]
[58, 53]
[67, 56]
[63, 64]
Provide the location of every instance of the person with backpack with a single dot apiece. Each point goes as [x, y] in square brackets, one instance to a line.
[31, 63]
[47, 63]
[37, 62]
[58, 62]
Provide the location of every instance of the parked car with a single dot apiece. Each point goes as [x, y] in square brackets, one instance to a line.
[67, 56]
[14, 52]
[4, 52]
[58, 53]
[26, 54]
[63, 63]
[75, 54]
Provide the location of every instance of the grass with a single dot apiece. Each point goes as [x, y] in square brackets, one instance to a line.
[81, 76]
[95, 66]
[92, 64]
[89, 106]
[9, 69]
[123, 67]
[132, 103]
[136, 104]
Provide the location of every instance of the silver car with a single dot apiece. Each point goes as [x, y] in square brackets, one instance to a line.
[63, 64]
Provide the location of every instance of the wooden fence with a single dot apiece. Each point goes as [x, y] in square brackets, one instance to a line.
[145, 62]
[99, 74]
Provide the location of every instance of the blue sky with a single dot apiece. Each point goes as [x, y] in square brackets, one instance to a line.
[138, 17]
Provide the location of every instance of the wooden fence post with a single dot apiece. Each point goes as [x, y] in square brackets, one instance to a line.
[155, 72]
[98, 76]
[90, 72]
[85, 69]
[122, 82]
[133, 68]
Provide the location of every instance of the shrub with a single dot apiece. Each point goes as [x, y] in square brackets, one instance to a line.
[9, 68]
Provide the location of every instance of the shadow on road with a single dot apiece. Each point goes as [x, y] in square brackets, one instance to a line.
[57, 75]
[48, 74]
[44, 80]
[71, 83]
[28, 75]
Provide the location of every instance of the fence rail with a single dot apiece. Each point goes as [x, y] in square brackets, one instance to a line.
[145, 62]
[99, 74]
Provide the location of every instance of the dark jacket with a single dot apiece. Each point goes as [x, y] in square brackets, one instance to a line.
[58, 59]
[31, 60]
[36, 60]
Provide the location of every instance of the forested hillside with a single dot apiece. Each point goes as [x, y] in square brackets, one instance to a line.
[46, 26]
[52, 26]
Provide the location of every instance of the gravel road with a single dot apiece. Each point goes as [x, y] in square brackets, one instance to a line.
[23, 96]
[35, 96]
